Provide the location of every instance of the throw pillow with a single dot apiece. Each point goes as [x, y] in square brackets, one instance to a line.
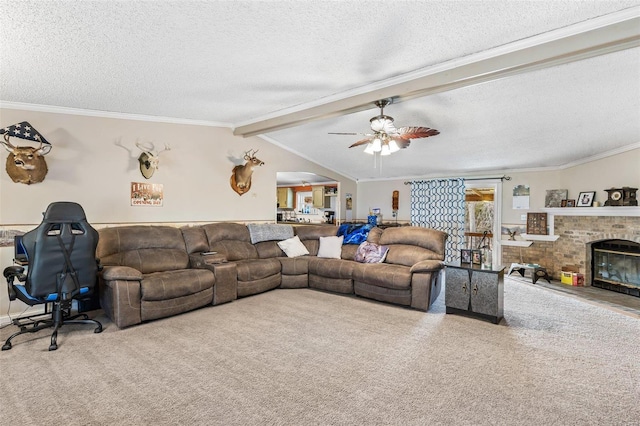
[293, 247]
[371, 253]
[330, 247]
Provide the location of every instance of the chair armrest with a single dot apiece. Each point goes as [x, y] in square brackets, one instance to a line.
[126, 273]
[11, 273]
[427, 266]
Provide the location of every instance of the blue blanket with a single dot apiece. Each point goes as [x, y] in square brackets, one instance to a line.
[354, 233]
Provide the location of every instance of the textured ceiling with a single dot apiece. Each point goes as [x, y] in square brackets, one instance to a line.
[235, 63]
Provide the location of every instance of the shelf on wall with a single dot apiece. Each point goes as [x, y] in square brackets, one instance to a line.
[533, 237]
[516, 243]
[594, 211]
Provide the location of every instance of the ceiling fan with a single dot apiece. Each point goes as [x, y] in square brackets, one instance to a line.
[386, 138]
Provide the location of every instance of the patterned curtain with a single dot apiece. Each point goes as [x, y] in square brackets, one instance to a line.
[439, 204]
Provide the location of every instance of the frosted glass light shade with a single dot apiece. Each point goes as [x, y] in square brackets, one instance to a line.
[376, 144]
[393, 146]
[369, 149]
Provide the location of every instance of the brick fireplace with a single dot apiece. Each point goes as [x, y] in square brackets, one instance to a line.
[576, 234]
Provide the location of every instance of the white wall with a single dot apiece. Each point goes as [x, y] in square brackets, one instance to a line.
[86, 166]
[613, 171]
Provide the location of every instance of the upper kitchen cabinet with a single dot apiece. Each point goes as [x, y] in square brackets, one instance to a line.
[285, 198]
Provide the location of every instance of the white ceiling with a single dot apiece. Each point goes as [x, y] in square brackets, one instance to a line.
[501, 80]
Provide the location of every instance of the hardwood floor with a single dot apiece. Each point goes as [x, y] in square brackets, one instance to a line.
[607, 298]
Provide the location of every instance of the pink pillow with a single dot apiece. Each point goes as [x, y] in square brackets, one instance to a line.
[371, 253]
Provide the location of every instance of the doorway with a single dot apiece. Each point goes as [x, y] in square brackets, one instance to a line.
[483, 216]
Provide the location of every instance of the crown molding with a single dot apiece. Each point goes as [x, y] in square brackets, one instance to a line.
[107, 114]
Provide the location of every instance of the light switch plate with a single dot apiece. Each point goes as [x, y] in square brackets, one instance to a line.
[523, 216]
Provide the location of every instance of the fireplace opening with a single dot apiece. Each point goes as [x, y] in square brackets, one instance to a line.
[616, 266]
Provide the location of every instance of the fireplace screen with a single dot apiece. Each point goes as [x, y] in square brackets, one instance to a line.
[616, 266]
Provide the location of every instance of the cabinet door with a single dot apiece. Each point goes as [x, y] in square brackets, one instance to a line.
[285, 198]
[317, 193]
[457, 288]
[484, 293]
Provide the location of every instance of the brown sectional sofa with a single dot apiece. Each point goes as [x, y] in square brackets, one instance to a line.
[157, 271]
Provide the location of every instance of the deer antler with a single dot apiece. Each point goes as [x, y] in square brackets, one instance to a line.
[144, 146]
[166, 148]
[7, 144]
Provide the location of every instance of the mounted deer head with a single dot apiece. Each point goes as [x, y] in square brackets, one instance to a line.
[241, 175]
[149, 159]
[25, 164]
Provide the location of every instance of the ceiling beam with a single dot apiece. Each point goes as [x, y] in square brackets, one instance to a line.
[547, 50]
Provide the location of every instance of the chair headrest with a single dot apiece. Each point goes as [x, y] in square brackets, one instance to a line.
[64, 211]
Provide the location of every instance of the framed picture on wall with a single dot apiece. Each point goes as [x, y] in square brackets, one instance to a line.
[537, 223]
[585, 199]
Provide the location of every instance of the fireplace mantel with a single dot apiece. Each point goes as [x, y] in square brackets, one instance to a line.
[593, 211]
[620, 211]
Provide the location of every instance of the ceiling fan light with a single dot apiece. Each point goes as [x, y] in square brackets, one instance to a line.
[385, 150]
[369, 149]
[393, 146]
[376, 145]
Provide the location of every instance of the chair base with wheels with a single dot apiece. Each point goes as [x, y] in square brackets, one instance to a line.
[60, 313]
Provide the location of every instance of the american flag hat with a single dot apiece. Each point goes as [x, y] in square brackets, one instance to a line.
[23, 130]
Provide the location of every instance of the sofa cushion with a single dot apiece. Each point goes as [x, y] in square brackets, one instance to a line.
[256, 269]
[235, 250]
[331, 268]
[173, 284]
[313, 232]
[330, 247]
[383, 275]
[267, 249]
[409, 255]
[349, 251]
[195, 239]
[429, 239]
[295, 265]
[293, 247]
[145, 248]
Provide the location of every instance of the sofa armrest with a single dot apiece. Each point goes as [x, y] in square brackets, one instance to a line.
[113, 273]
[225, 288]
[120, 295]
[427, 266]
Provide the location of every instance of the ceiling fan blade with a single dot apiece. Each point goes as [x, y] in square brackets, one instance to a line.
[362, 142]
[401, 142]
[416, 132]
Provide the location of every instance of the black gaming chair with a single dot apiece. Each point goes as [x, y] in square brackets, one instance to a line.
[61, 267]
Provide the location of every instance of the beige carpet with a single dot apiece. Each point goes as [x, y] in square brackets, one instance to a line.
[299, 357]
